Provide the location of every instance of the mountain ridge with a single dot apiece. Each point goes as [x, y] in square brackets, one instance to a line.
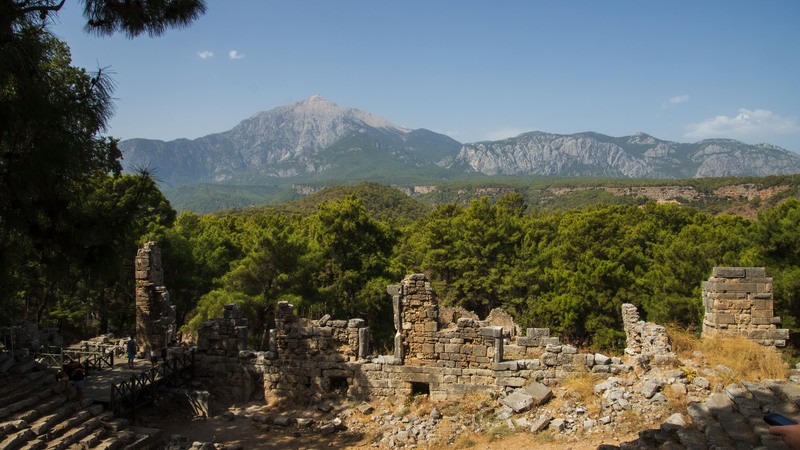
[316, 139]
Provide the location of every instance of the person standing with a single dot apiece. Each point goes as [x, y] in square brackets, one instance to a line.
[77, 378]
[132, 348]
[153, 357]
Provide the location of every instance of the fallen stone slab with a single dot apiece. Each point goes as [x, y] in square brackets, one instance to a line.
[519, 401]
[540, 393]
[541, 423]
[283, 421]
[326, 429]
[303, 422]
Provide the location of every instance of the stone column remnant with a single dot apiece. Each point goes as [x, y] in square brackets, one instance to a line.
[155, 314]
[394, 291]
[645, 340]
[418, 314]
[738, 302]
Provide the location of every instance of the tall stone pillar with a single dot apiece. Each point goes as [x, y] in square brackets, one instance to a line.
[417, 311]
[155, 315]
[738, 301]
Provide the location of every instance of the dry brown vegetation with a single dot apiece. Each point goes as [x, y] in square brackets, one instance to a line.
[747, 360]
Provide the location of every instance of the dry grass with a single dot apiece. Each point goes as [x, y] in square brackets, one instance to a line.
[747, 360]
[466, 405]
[579, 387]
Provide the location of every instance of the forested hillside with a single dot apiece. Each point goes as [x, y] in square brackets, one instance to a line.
[568, 270]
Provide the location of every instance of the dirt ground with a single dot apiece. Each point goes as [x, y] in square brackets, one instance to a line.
[238, 430]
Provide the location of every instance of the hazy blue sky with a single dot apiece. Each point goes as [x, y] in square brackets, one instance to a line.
[678, 70]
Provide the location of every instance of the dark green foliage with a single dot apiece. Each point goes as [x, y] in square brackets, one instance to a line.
[69, 222]
[567, 270]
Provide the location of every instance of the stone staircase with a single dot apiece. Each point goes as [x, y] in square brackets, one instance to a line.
[36, 414]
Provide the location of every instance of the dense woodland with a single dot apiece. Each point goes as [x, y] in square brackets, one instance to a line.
[336, 252]
[70, 224]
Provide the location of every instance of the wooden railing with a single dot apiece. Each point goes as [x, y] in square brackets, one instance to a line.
[142, 388]
[92, 361]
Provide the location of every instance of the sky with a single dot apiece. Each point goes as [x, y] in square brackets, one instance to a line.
[681, 70]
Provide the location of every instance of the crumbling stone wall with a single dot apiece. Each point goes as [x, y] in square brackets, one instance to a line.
[645, 340]
[218, 365]
[738, 302]
[445, 352]
[155, 315]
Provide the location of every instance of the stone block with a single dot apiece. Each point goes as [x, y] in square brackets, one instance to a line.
[541, 423]
[528, 341]
[431, 326]
[505, 365]
[569, 349]
[452, 348]
[537, 332]
[551, 348]
[725, 319]
[356, 323]
[729, 272]
[511, 381]
[519, 401]
[539, 392]
[493, 332]
[734, 287]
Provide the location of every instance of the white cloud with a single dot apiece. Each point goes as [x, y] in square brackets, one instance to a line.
[233, 54]
[758, 123]
[205, 54]
[504, 133]
[677, 100]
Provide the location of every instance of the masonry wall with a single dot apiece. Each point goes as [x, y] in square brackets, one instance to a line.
[155, 315]
[738, 302]
[446, 359]
[446, 352]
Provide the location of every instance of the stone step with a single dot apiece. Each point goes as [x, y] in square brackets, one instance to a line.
[784, 389]
[75, 434]
[145, 438]
[45, 423]
[93, 439]
[117, 440]
[43, 403]
[17, 440]
[6, 365]
[13, 426]
[21, 405]
[62, 427]
[11, 384]
[21, 392]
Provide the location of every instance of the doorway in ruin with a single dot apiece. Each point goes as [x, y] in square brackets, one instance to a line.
[338, 385]
[419, 388]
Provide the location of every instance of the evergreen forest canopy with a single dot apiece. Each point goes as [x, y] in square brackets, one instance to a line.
[566, 270]
[70, 224]
[68, 218]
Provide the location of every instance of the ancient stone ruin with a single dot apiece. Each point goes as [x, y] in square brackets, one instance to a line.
[647, 341]
[738, 302]
[432, 354]
[155, 315]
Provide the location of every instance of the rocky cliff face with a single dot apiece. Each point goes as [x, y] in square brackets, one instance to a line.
[316, 139]
[638, 156]
[286, 141]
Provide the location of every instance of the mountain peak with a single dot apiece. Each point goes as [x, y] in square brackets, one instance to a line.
[317, 100]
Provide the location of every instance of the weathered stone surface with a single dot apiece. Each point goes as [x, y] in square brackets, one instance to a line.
[518, 401]
[539, 393]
